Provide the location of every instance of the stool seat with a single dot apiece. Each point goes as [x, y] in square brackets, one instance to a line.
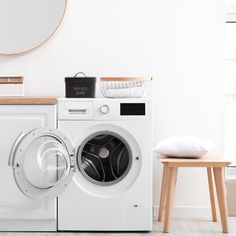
[215, 172]
[205, 161]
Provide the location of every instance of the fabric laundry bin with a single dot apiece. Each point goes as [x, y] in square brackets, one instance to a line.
[230, 177]
[80, 87]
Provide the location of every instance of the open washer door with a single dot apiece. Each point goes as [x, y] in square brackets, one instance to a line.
[43, 163]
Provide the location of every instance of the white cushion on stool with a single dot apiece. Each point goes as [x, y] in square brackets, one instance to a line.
[183, 146]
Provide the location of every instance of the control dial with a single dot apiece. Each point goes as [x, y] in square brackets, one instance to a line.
[104, 109]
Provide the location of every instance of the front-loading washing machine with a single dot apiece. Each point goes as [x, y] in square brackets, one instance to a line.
[98, 163]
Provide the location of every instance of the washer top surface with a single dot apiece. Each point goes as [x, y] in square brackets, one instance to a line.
[145, 99]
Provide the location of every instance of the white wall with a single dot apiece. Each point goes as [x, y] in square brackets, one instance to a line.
[179, 43]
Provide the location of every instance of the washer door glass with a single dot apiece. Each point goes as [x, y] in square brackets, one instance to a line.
[104, 158]
[46, 162]
[42, 162]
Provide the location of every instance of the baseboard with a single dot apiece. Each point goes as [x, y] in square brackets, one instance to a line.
[186, 211]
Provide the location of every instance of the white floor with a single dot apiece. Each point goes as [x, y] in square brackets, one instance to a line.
[180, 227]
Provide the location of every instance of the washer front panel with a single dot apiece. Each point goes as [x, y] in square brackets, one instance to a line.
[53, 161]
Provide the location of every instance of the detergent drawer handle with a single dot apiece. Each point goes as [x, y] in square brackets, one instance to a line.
[77, 111]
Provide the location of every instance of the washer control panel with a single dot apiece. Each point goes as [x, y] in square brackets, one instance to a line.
[104, 109]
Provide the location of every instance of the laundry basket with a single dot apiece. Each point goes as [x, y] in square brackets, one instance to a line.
[124, 87]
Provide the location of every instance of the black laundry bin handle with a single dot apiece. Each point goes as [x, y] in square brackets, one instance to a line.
[80, 73]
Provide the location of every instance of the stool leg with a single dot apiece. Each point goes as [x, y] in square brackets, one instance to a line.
[163, 192]
[220, 188]
[172, 177]
[212, 192]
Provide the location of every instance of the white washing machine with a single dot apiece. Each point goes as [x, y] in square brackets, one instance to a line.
[99, 160]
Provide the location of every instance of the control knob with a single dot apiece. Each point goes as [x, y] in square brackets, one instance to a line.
[104, 109]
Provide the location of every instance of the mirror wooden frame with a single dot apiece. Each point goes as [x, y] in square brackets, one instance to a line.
[44, 42]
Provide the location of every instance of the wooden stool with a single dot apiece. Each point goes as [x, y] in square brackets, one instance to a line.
[215, 167]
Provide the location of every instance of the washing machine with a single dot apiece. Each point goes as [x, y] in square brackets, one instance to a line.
[97, 163]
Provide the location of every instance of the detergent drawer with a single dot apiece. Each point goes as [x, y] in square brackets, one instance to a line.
[74, 110]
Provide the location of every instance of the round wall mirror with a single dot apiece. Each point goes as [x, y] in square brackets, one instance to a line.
[27, 24]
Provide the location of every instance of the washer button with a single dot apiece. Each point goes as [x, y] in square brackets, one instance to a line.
[104, 109]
